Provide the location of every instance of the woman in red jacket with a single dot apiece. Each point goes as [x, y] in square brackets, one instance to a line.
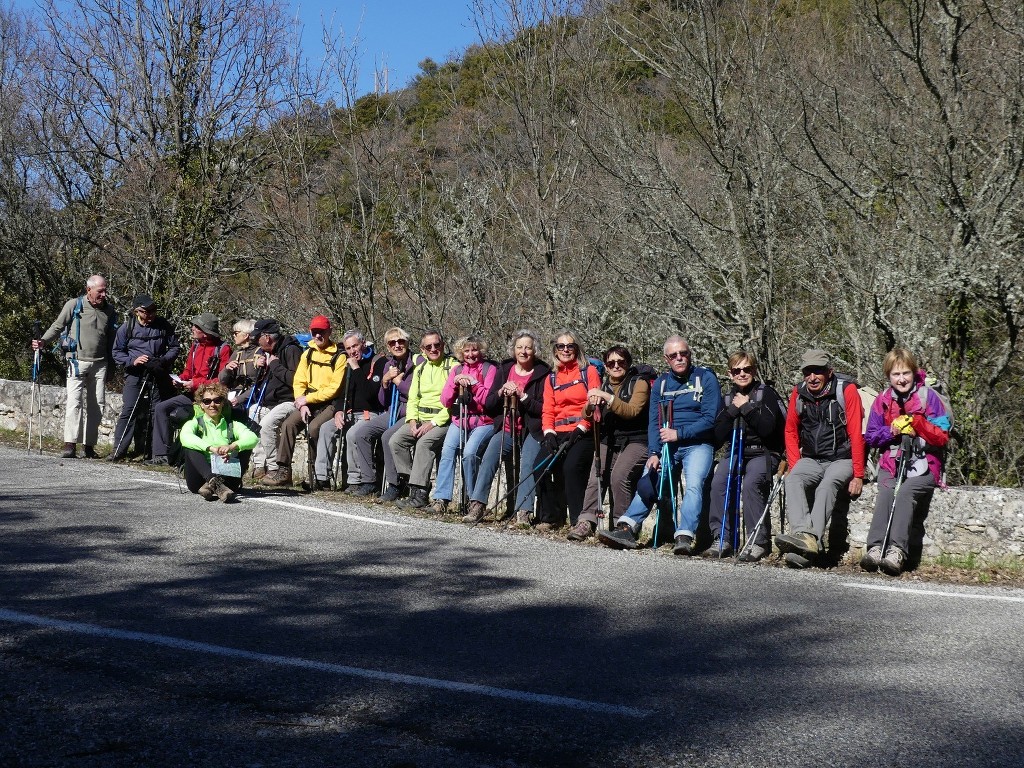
[566, 430]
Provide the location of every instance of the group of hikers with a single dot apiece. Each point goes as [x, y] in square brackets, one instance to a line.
[594, 443]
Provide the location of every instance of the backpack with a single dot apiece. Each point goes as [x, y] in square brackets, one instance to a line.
[334, 358]
[637, 372]
[867, 398]
[758, 396]
[932, 384]
[583, 375]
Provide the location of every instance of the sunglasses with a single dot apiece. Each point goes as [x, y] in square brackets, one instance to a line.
[741, 369]
[436, 345]
[213, 400]
[565, 347]
[815, 369]
[397, 343]
[146, 310]
[678, 355]
[319, 332]
[615, 363]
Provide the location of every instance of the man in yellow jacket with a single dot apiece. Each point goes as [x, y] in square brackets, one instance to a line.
[318, 378]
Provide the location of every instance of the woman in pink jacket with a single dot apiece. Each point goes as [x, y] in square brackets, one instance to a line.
[465, 395]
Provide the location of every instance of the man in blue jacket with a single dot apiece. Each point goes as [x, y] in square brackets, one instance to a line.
[692, 396]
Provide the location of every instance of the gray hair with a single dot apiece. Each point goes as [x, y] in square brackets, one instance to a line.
[353, 332]
[95, 280]
[245, 325]
[524, 333]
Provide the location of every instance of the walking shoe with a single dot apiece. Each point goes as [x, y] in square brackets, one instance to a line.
[871, 560]
[157, 461]
[391, 493]
[523, 518]
[417, 498]
[796, 560]
[117, 457]
[621, 538]
[718, 550]
[683, 545]
[582, 531]
[801, 543]
[545, 527]
[475, 512]
[439, 507]
[89, 452]
[69, 451]
[279, 477]
[893, 562]
[753, 553]
[206, 490]
[224, 493]
[316, 484]
[364, 489]
[258, 474]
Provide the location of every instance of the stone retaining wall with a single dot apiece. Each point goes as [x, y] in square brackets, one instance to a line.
[987, 522]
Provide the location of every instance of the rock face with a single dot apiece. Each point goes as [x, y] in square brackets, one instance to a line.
[987, 522]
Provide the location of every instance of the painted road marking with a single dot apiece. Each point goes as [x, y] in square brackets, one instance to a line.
[303, 507]
[321, 666]
[935, 592]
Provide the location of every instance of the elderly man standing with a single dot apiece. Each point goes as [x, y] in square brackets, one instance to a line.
[89, 322]
[684, 405]
[318, 379]
[825, 451]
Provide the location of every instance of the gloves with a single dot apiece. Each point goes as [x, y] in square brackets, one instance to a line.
[577, 435]
[905, 424]
[154, 364]
[550, 443]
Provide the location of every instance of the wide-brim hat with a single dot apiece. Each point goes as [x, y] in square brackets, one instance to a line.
[207, 323]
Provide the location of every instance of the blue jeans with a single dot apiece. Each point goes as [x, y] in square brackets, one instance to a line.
[476, 440]
[500, 447]
[695, 462]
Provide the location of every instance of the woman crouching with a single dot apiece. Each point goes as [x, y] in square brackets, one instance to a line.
[216, 447]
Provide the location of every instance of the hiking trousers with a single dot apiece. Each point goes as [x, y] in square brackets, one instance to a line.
[913, 490]
[86, 396]
[292, 426]
[757, 483]
[620, 471]
[414, 456]
[812, 487]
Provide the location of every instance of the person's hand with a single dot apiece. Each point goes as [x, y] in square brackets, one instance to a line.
[260, 361]
[423, 428]
[141, 360]
[577, 435]
[388, 376]
[903, 425]
[653, 463]
[668, 435]
[305, 413]
[739, 399]
[855, 487]
[550, 443]
[232, 366]
[339, 419]
[37, 344]
[300, 402]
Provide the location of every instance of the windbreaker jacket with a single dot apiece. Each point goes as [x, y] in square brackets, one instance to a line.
[281, 373]
[819, 431]
[696, 399]
[764, 420]
[483, 382]
[425, 390]
[930, 422]
[320, 374]
[216, 434]
[200, 363]
[157, 340]
[564, 402]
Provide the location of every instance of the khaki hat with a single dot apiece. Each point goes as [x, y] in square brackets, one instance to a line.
[207, 323]
[816, 358]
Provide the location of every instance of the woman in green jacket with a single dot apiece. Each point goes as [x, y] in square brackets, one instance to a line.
[216, 447]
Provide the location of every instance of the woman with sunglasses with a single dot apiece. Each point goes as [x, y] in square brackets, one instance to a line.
[394, 394]
[515, 401]
[216, 447]
[755, 409]
[566, 432]
[623, 399]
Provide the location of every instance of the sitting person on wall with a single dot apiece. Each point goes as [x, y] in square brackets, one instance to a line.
[215, 446]
[907, 417]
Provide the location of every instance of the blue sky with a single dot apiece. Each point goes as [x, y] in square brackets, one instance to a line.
[400, 33]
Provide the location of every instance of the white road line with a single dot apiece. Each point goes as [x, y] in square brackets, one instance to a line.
[320, 666]
[304, 507]
[936, 592]
[332, 513]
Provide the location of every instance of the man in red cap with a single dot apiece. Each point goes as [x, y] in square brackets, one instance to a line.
[318, 378]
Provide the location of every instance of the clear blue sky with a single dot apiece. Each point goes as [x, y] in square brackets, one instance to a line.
[398, 33]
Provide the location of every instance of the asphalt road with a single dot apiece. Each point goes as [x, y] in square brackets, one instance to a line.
[142, 626]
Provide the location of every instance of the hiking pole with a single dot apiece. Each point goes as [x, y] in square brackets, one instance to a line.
[598, 468]
[665, 470]
[902, 467]
[36, 395]
[777, 485]
[729, 478]
[516, 449]
[542, 466]
[310, 459]
[738, 501]
[463, 500]
[501, 449]
[130, 424]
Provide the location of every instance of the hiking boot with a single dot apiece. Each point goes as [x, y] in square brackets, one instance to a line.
[364, 489]
[893, 562]
[279, 477]
[871, 560]
[391, 494]
[796, 560]
[117, 457]
[804, 544]
[89, 452]
[475, 512]
[621, 538]
[439, 507]
[582, 531]
[157, 461]
[417, 498]
[523, 518]
[316, 484]
[69, 451]
[258, 474]
[225, 494]
[718, 550]
[683, 545]
[207, 489]
[545, 527]
[753, 553]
